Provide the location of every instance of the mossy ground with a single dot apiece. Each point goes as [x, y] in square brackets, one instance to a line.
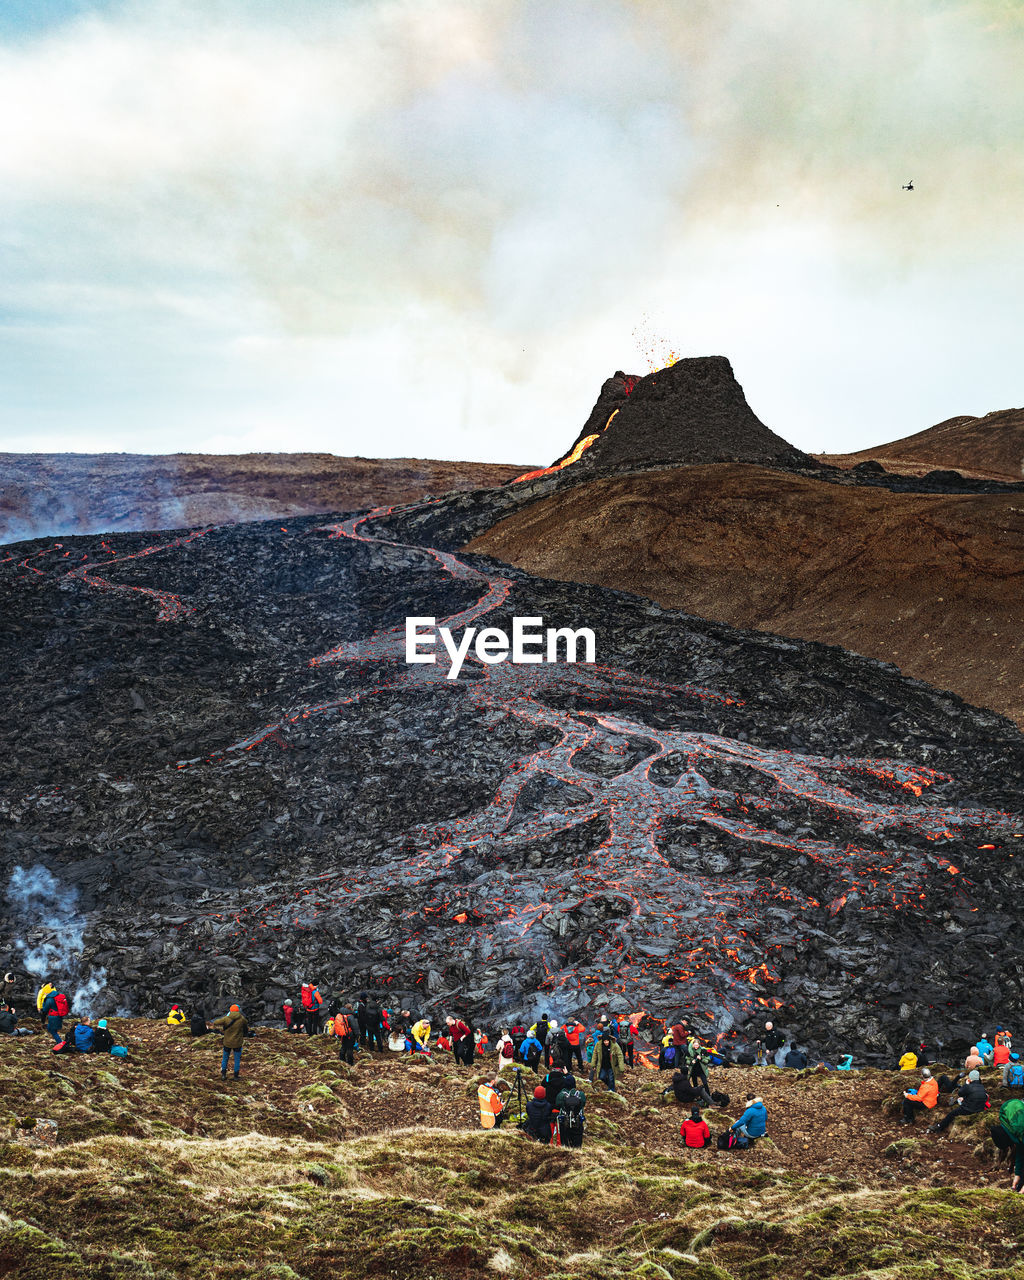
[307, 1168]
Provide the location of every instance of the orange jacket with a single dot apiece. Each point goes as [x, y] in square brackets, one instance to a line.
[573, 1032]
[928, 1092]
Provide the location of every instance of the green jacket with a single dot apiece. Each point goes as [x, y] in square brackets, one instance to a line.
[615, 1060]
[234, 1027]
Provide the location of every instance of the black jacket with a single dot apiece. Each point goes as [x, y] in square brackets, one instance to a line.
[102, 1040]
[197, 1026]
[8, 1021]
[796, 1059]
[554, 1083]
[538, 1119]
[684, 1091]
[973, 1097]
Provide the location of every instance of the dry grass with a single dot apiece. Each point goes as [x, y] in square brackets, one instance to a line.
[253, 1183]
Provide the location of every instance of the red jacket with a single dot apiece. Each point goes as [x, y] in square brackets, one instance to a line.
[695, 1132]
[457, 1031]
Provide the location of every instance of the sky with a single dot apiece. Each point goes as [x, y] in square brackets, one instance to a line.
[433, 227]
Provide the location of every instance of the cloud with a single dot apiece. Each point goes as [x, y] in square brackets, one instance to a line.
[450, 182]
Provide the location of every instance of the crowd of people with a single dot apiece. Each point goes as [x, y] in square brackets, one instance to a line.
[554, 1110]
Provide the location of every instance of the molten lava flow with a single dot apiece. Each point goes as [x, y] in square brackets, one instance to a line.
[170, 608]
[628, 382]
[575, 456]
[614, 902]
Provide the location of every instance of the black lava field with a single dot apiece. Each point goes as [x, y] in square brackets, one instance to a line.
[234, 782]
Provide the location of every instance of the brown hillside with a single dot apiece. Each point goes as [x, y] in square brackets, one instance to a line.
[50, 493]
[929, 583]
[989, 448]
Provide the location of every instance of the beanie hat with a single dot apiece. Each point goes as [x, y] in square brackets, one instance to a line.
[695, 1113]
[540, 1092]
[973, 1075]
[102, 1022]
[1015, 1057]
[173, 1007]
[234, 1009]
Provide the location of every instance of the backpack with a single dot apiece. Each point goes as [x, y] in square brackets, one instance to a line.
[341, 1025]
[1015, 1076]
[670, 1053]
[83, 1038]
[1011, 1118]
[571, 1101]
[63, 1046]
[61, 1001]
[119, 1051]
[307, 997]
[726, 1141]
[720, 1099]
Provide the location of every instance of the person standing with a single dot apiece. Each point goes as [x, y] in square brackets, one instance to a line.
[574, 1032]
[233, 1027]
[374, 1025]
[607, 1063]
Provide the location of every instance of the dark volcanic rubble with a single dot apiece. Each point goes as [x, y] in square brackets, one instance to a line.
[214, 740]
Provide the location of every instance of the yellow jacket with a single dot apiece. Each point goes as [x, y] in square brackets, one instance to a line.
[421, 1033]
[176, 1018]
[908, 1062]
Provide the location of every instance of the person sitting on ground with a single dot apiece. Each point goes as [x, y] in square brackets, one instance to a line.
[973, 1099]
[985, 1047]
[197, 1023]
[102, 1040]
[924, 1098]
[1003, 1037]
[909, 1061]
[420, 1032]
[176, 1017]
[845, 1063]
[796, 1058]
[530, 1051]
[83, 1035]
[538, 1116]
[686, 1092]
[1000, 1054]
[1008, 1135]
[233, 1026]
[492, 1108]
[753, 1122]
[695, 1131]
[8, 1021]
[1013, 1073]
[607, 1063]
[974, 1061]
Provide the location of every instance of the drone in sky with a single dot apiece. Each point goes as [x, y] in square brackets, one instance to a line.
[908, 186]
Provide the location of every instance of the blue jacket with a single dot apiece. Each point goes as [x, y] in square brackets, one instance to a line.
[754, 1120]
[984, 1047]
[529, 1043]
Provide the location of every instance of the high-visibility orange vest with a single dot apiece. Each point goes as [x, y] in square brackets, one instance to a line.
[490, 1106]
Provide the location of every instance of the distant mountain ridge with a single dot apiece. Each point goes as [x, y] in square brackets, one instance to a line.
[991, 448]
[47, 494]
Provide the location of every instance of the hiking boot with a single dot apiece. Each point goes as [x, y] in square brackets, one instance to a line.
[223, 1075]
[932, 1128]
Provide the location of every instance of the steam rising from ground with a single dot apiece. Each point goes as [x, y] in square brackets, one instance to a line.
[51, 932]
[264, 210]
